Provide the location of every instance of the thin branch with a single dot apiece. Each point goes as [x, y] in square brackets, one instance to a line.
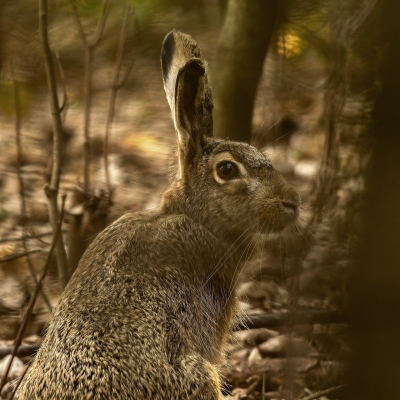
[101, 24]
[19, 381]
[325, 392]
[86, 122]
[22, 191]
[78, 22]
[130, 14]
[43, 241]
[61, 71]
[28, 237]
[90, 46]
[51, 189]
[51, 82]
[120, 53]
[19, 255]
[253, 381]
[21, 330]
[127, 73]
[115, 86]
[23, 351]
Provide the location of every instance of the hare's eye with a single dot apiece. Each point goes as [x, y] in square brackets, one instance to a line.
[227, 170]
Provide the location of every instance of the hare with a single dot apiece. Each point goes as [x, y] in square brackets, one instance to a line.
[148, 310]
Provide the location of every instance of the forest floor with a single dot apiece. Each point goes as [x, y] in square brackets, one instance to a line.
[291, 357]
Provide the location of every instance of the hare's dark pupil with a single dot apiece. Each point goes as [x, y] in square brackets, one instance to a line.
[227, 170]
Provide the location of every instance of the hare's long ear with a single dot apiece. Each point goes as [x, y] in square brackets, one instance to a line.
[188, 94]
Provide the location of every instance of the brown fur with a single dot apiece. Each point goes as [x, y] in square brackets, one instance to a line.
[147, 312]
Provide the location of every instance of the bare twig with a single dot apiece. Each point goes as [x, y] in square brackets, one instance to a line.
[101, 24]
[51, 189]
[324, 392]
[19, 255]
[115, 86]
[19, 381]
[78, 23]
[90, 46]
[253, 381]
[83, 223]
[23, 351]
[43, 241]
[244, 369]
[65, 96]
[130, 15]
[86, 129]
[28, 237]
[22, 190]
[21, 330]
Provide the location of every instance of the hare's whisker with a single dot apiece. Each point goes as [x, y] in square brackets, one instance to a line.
[235, 277]
[247, 258]
[263, 240]
[223, 259]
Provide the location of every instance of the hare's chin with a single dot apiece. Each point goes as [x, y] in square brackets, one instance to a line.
[275, 233]
[277, 227]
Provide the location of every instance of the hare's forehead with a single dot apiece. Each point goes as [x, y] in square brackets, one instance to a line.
[241, 152]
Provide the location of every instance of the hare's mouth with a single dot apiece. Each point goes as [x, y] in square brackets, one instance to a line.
[285, 214]
[291, 210]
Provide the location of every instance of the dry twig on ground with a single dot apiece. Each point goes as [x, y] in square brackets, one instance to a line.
[324, 392]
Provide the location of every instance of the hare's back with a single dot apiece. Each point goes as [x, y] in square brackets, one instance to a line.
[148, 244]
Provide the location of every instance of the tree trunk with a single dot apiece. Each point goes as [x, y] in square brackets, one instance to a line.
[238, 64]
[376, 283]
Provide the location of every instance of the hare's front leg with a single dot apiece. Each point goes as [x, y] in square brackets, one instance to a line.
[201, 380]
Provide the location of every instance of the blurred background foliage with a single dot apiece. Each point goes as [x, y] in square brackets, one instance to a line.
[303, 36]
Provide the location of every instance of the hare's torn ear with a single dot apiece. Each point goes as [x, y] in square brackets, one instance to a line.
[177, 49]
[188, 93]
[189, 100]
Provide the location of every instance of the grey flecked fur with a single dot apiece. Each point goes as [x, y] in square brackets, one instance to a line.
[147, 313]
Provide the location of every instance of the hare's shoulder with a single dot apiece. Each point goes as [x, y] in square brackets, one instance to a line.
[151, 239]
[143, 255]
[150, 227]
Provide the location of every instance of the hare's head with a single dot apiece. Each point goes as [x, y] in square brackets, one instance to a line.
[230, 187]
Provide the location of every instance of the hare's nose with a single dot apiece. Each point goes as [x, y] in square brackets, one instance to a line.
[292, 209]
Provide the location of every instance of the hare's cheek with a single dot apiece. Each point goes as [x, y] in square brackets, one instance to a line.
[234, 187]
